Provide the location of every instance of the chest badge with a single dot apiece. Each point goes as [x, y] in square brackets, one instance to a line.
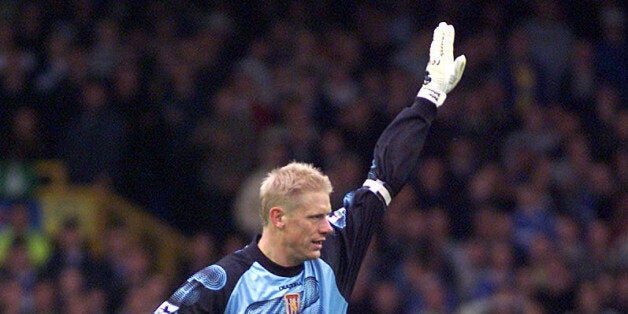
[293, 303]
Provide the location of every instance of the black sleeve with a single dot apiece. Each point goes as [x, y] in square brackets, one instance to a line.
[209, 302]
[398, 148]
[193, 298]
[209, 290]
[345, 249]
[395, 157]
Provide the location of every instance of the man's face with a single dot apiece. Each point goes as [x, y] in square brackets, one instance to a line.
[306, 227]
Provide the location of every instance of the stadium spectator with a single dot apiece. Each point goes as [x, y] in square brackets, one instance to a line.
[92, 145]
[23, 230]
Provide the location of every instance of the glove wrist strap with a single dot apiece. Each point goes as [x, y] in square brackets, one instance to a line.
[433, 95]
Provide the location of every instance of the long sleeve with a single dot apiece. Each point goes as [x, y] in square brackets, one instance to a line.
[396, 156]
[397, 150]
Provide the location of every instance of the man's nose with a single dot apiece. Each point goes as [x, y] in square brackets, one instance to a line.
[326, 227]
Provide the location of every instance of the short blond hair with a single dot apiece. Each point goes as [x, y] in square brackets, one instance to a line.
[283, 186]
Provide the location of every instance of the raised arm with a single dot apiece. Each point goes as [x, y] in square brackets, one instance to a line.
[396, 156]
[398, 148]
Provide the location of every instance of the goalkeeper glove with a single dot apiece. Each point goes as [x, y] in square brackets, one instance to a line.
[442, 72]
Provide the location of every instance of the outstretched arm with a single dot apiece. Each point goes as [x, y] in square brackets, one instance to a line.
[395, 158]
[398, 148]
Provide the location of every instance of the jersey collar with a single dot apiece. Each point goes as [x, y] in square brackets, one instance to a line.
[270, 265]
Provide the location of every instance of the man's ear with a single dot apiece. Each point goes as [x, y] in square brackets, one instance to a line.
[277, 217]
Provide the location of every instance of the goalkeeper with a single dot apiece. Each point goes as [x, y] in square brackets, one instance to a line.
[307, 258]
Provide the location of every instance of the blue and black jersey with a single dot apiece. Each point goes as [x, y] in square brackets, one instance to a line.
[247, 281]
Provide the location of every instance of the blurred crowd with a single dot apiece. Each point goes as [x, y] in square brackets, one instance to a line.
[519, 204]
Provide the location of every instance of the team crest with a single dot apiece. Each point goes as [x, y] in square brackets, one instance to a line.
[293, 303]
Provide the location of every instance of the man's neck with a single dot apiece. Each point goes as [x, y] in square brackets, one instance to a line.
[270, 246]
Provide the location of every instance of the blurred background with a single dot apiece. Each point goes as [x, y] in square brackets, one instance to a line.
[134, 135]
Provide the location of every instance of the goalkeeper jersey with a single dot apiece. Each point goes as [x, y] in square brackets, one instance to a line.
[247, 281]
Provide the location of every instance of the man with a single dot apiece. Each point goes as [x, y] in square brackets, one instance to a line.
[308, 257]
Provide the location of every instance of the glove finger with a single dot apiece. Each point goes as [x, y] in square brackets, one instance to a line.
[436, 49]
[448, 43]
[459, 65]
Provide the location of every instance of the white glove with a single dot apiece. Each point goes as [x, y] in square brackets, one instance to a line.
[442, 72]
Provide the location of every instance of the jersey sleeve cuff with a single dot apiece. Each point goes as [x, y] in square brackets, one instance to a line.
[379, 189]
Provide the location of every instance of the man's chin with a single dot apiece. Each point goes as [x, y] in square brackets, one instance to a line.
[314, 254]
